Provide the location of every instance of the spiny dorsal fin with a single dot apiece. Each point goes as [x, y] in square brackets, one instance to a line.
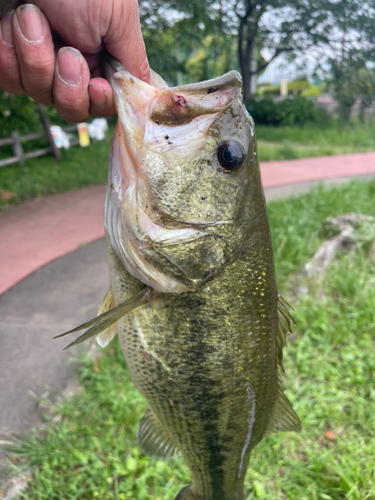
[154, 441]
[285, 321]
[104, 338]
[284, 417]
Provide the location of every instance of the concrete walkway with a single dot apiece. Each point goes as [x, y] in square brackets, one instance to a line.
[55, 275]
[40, 231]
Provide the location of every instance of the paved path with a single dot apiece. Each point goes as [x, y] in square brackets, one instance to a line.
[54, 299]
[282, 173]
[40, 231]
[65, 280]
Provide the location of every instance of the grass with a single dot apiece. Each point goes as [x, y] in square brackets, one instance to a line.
[42, 176]
[282, 143]
[83, 167]
[91, 451]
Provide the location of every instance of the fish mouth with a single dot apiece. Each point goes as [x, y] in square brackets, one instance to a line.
[147, 241]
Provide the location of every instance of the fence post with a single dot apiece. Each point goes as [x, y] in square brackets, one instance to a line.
[46, 125]
[17, 148]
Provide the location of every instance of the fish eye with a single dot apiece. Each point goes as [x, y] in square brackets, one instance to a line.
[230, 155]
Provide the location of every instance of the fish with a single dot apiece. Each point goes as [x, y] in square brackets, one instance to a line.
[193, 295]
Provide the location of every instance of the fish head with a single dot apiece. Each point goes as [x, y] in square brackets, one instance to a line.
[183, 167]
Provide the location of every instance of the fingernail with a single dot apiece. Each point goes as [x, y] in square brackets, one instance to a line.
[6, 28]
[100, 97]
[69, 66]
[31, 22]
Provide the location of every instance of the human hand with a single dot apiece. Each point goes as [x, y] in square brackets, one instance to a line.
[51, 50]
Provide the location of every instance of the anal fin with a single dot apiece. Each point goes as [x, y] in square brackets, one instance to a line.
[154, 441]
[186, 494]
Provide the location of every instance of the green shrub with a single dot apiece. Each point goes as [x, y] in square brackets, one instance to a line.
[19, 112]
[296, 87]
[298, 111]
[271, 91]
[291, 111]
[264, 111]
[313, 91]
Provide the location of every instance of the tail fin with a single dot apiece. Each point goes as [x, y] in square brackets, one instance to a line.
[186, 494]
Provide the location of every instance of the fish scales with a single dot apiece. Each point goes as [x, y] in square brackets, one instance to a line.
[187, 233]
[178, 349]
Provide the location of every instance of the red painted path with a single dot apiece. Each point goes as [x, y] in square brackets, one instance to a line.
[41, 230]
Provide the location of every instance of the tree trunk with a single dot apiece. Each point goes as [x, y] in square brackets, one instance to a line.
[246, 81]
[246, 36]
[244, 59]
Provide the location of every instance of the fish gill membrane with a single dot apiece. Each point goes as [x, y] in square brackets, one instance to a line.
[193, 295]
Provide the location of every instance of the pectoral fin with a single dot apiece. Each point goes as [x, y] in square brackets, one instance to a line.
[154, 441]
[107, 319]
[104, 338]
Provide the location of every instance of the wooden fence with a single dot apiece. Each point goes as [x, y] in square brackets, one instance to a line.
[19, 156]
[16, 141]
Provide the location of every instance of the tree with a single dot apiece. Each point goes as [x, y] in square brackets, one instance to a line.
[351, 81]
[294, 27]
[289, 27]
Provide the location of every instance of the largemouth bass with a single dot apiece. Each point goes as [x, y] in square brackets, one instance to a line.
[193, 295]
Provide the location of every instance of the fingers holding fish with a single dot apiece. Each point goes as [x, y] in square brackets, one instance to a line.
[124, 39]
[10, 76]
[70, 87]
[101, 98]
[34, 47]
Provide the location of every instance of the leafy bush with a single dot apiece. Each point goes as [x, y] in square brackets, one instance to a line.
[271, 91]
[295, 87]
[313, 91]
[292, 111]
[19, 112]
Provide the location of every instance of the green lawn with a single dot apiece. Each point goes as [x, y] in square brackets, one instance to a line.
[83, 167]
[282, 143]
[89, 451]
[42, 176]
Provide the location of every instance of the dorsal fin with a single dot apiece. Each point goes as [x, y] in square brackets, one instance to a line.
[104, 338]
[285, 327]
[284, 417]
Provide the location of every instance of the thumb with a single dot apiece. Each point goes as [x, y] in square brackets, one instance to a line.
[124, 40]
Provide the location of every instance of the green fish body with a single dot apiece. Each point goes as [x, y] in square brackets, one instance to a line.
[186, 223]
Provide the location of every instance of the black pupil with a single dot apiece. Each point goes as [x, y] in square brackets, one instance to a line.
[230, 155]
